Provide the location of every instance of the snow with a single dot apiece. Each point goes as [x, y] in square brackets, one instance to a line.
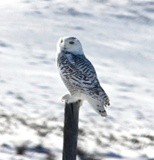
[117, 37]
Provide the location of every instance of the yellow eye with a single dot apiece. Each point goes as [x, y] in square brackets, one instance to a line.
[71, 42]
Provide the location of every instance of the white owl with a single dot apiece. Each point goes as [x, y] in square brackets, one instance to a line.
[79, 75]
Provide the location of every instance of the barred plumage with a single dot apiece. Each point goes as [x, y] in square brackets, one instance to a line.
[79, 75]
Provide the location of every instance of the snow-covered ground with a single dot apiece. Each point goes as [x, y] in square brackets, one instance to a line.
[118, 38]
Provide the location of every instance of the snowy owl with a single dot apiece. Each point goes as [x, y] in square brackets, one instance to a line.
[79, 76]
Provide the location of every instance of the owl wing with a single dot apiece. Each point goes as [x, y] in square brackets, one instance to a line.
[82, 75]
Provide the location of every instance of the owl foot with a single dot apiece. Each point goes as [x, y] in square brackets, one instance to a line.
[65, 98]
[71, 99]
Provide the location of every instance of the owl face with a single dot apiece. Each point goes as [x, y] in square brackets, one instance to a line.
[69, 44]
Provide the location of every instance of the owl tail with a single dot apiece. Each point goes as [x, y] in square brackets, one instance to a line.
[98, 106]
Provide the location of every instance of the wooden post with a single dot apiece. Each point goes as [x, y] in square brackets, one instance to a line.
[71, 117]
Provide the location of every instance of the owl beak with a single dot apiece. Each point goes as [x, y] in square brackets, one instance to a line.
[64, 48]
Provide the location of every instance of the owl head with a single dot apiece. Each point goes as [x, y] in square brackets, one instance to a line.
[69, 44]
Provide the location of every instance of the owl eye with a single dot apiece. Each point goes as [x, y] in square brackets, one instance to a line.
[61, 41]
[71, 42]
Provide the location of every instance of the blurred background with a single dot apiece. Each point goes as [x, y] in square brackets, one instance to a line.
[117, 37]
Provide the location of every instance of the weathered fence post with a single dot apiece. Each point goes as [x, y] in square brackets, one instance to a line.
[71, 117]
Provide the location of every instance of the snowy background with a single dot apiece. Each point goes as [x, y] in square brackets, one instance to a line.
[117, 37]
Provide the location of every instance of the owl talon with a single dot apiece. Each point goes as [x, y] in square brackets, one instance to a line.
[71, 99]
[66, 98]
[80, 102]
